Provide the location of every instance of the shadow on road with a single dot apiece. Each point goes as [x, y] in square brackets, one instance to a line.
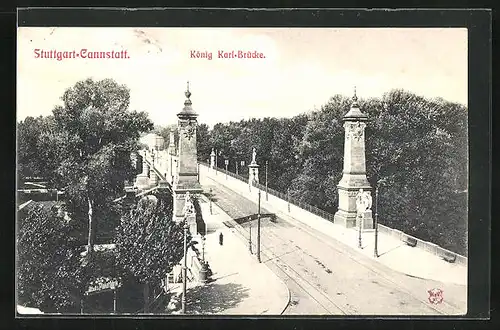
[214, 298]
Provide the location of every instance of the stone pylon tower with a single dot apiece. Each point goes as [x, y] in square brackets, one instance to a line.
[187, 177]
[354, 173]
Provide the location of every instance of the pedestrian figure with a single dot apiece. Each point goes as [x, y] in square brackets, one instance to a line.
[221, 239]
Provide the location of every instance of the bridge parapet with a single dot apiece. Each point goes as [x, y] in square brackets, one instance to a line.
[310, 215]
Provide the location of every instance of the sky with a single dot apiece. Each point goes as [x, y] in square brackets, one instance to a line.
[302, 68]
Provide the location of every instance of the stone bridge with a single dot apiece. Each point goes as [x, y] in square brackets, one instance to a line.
[327, 261]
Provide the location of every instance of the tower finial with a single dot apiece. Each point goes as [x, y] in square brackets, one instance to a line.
[355, 97]
[188, 93]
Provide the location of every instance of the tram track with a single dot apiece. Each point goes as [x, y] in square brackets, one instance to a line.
[322, 299]
[277, 262]
[395, 285]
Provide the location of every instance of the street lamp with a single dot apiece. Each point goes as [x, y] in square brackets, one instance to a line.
[203, 248]
[210, 199]
[363, 204]
[360, 216]
[236, 162]
[375, 248]
[226, 162]
[173, 173]
[250, 236]
[258, 231]
[184, 268]
[288, 198]
[216, 153]
[172, 167]
[188, 210]
[266, 182]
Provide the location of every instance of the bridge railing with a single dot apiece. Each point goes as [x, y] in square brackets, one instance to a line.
[308, 207]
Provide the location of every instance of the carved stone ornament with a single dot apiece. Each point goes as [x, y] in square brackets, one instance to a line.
[190, 130]
[356, 130]
[363, 201]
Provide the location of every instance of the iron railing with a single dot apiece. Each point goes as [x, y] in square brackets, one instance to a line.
[305, 206]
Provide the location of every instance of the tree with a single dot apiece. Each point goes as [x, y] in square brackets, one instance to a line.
[410, 145]
[90, 147]
[29, 161]
[149, 243]
[321, 152]
[203, 142]
[165, 133]
[416, 145]
[49, 274]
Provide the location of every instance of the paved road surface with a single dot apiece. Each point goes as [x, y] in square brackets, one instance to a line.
[327, 277]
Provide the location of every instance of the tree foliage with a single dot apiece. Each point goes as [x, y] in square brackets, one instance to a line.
[49, 274]
[149, 243]
[85, 149]
[30, 163]
[88, 151]
[416, 146]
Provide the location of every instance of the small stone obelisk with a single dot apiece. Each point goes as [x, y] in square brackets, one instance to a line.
[171, 143]
[212, 158]
[354, 173]
[186, 179]
[253, 170]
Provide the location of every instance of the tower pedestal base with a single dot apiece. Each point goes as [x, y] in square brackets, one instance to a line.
[350, 219]
[142, 181]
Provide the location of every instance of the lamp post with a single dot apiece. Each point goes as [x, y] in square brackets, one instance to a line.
[267, 198]
[258, 231]
[216, 153]
[250, 237]
[210, 199]
[226, 162]
[203, 248]
[236, 162]
[288, 198]
[363, 204]
[360, 216]
[172, 167]
[188, 210]
[375, 246]
[114, 301]
[184, 268]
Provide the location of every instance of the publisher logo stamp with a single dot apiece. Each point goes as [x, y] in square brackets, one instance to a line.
[435, 296]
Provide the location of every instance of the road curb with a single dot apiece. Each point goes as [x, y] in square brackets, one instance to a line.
[289, 295]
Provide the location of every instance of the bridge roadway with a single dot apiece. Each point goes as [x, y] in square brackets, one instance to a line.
[326, 277]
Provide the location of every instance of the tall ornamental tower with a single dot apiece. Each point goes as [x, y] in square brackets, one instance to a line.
[354, 173]
[186, 179]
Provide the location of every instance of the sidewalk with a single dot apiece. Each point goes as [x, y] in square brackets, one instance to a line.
[241, 285]
[398, 256]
